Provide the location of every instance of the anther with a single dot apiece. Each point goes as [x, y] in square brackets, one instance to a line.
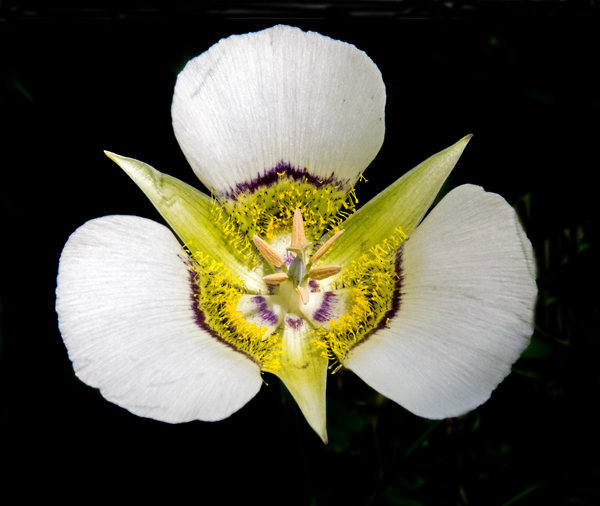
[269, 253]
[318, 273]
[303, 294]
[321, 251]
[298, 237]
[276, 279]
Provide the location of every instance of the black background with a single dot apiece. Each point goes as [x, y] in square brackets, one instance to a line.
[528, 93]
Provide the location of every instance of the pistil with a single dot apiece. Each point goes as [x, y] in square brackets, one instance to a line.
[296, 271]
[301, 268]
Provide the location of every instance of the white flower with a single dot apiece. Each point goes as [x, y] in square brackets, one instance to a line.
[280, 125]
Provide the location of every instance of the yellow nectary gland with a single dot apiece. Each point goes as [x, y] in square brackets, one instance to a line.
[270, 210]
[220, 291]
[372, 277]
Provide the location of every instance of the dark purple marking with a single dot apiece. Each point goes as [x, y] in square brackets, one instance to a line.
[293, 321]
[200, 317]
[393, 311]
[313, 285]
[270, 177]
[324, 313]
[263, 310]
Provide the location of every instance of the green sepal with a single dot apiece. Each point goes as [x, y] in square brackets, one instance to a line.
[188, 212]
[304, 372]
[403, 204]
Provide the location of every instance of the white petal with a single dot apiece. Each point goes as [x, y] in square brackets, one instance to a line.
[125, 311]
[279, 95]
[465, 313]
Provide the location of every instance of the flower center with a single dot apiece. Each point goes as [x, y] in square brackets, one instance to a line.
[301, 269]
[295, 307]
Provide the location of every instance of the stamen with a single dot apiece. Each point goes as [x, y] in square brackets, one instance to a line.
[303, 294]
[298, 237]
[276, 279]
[318, 273]
[321, 251]
[269, 253]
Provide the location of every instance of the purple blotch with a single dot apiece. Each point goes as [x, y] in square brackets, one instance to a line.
[313, 285]
[293, 321]
[264, 312]
[271, 176]
[324, 313]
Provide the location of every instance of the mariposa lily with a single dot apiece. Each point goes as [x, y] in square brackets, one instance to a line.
[276, 272]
